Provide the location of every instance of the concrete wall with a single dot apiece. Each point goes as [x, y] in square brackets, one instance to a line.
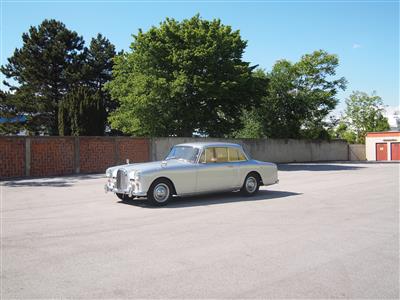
[274, 150]
[357, 152]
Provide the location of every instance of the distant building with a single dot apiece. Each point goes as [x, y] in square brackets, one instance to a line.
[17, 119]
[383, 145]
[14, 120]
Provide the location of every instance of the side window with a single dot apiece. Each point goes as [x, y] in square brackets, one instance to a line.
[235, 154]
[221, 154]
[208, 156]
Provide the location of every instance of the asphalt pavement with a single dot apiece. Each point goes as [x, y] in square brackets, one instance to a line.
[327, 230]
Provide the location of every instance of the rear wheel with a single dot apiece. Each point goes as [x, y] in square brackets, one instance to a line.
[160, 192]
[251, 185]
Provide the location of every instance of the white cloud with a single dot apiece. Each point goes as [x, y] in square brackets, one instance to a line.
[355, 46]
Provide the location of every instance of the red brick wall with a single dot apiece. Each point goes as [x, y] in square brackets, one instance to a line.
[136, 150]
[52, 156]
[12, 157]
[96, 154]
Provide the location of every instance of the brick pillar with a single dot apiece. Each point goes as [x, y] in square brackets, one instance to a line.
[77, 168]
[27, 156]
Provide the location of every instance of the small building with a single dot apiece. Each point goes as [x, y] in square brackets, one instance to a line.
[383, 145]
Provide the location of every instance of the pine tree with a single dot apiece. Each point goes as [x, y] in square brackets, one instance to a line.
[84, 109]
[99, 70]
[44, 69]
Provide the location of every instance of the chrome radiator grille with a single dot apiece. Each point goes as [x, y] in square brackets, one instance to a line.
[122, 180]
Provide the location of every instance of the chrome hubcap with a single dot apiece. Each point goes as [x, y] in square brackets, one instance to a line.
[161, 192]
[251, 184]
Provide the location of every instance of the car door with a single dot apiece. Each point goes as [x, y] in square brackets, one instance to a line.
[237, 159]
[214, 172]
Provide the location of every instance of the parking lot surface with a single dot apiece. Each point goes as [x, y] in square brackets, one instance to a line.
[325, 231]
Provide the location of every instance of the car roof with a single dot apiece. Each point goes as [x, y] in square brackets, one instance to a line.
[209, 144]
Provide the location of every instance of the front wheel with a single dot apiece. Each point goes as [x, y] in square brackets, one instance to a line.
[251, 185]
[123, 197]
[160, 192]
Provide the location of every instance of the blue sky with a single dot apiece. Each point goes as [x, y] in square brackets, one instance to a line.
[365, 35]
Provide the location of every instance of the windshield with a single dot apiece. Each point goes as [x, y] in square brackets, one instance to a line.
[184, 153]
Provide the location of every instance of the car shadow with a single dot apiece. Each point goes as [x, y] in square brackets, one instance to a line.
[317, 167]
[211, 199]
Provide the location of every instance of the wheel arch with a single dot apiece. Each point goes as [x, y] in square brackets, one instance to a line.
[166, 179]
[256, 173]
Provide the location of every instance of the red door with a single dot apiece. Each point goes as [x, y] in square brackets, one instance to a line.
[395, 150]
[381, 151]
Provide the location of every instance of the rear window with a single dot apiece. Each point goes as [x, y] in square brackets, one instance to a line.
[235, 154]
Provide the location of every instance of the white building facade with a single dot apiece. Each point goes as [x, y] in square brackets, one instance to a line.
[383, 146]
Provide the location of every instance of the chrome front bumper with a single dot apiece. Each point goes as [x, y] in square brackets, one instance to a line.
[129, 191]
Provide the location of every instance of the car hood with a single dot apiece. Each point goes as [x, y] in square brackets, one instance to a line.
[148, 166]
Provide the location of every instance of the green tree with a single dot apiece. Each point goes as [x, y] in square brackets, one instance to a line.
[81, 112]
[44, 68]
[300, 96]
[7, 113]
[342, 131]
[183, 77]
[99, 61]
[250, 119]
[251, 126]
[97, 70]
[364, 113]
[50, 67]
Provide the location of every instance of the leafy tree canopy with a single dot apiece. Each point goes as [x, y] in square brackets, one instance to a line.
[364, 113]
[252, 126]
[183, 77]
[299, 96]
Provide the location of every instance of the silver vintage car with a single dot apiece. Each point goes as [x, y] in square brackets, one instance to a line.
[192, 168]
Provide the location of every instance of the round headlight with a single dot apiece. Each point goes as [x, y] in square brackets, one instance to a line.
[108, 173]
